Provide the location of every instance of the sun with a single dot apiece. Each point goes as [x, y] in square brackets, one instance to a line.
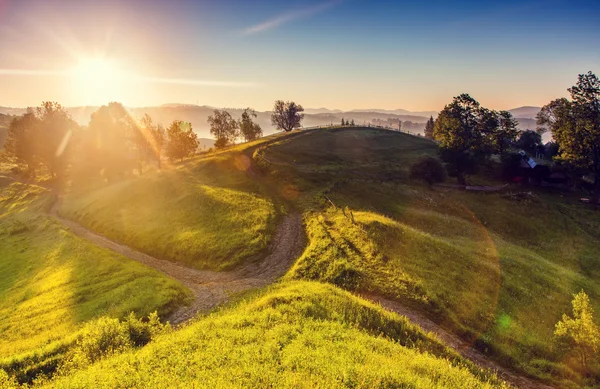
[98, 81]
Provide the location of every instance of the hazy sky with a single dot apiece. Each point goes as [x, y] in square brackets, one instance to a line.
[338, 54]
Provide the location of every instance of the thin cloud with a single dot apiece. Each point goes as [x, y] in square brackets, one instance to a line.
[290, 16]
[134, 78]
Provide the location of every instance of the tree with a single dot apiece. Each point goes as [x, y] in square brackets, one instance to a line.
[399, 125]
[343, 122]
[461, 130]
[287, 116]
[352, 123]
[580, 329]
[223, 127]
[505, 133]
[429, 169]
[20, 141]
[529, 141]
[551, 150]
[248, 129]
[109, 145]
[157, 137]
[429, 128]
[181, 140]
[54, 132]
[575, 126]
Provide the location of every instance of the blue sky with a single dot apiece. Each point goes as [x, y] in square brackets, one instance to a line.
[337, 54]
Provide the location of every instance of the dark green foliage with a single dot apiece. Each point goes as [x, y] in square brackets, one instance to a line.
[429, 169]
[575, 125]
[551, 150]
[529, 141]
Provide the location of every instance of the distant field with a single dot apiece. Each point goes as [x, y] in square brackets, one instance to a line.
[497, 270]
[205, 213]
[52, 282]
[297, 335]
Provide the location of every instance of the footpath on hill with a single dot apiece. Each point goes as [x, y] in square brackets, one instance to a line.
[210, 288]
[451, 340]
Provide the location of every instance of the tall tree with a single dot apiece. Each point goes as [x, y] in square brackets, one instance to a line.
[108, 146]
[20, 142]
[460, 130]
[529, 141]
[287, 116]
[156, 136]
[429, 128]
[223, 127]
[53, 138]
[575, 126]
[181, 140]
[506, 132]
[248, 129]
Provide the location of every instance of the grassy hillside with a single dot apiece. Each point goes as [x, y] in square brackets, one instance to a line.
[498, 270]
[52, 282]
[294, 335]
[206, 213]
[4, 123]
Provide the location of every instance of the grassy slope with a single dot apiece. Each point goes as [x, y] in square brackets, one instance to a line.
[52, 282]
[183, 213]
[499, 271]
[298, 334]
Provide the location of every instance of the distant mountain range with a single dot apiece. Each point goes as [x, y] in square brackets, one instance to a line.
[198, 115]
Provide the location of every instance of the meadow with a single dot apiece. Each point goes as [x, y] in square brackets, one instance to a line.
[53, 282]
[297, 334]
[496, 269]
[182, 213]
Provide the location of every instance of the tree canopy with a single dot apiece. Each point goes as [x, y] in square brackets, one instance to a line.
[223, 127]
[575, 126]
[287, 116]
[248, 129]
[580, 329]
[429, 128]
[469, 133]
[182, 141]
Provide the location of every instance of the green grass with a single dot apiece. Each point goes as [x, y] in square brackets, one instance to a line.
[297, 334]
[52, 281]
[497, 271]
[207, 213]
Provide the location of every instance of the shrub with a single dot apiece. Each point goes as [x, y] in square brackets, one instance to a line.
[429, 169]
[107, 336]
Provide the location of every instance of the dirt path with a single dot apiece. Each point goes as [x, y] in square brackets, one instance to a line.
[456, 343]
[210, 288]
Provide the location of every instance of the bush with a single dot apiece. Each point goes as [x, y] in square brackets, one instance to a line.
[107, 336]
[429, 169]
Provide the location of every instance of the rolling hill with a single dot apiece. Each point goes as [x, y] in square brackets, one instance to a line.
[489, 273]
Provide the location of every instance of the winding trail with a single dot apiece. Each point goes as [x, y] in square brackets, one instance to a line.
[451, 340]
[210, 288]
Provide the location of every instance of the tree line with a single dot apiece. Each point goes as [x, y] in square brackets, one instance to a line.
[286, 116]
[113, 144]
[468, 133]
